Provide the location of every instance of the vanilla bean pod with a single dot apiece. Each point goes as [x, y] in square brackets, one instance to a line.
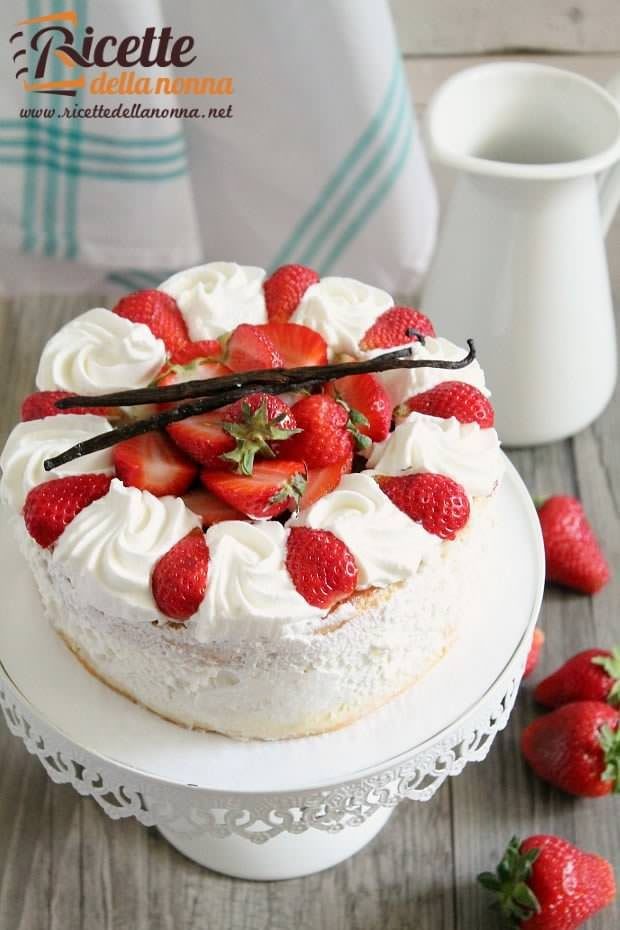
[218, 392]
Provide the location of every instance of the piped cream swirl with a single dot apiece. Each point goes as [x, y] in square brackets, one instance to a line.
[216, 297]
[462, 451]
[113, 544]
[386, 544]
[341, 310]
[30, 443]
[100, 351]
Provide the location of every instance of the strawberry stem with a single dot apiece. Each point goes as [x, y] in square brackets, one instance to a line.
[611, 665]
[514, 898]
[217, 392]
[610, 744]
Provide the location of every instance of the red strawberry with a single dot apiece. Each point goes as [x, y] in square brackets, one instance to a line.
[320, 481]
[393, 327]
[198, 369]
[210, 508]
[573, 555]
[42, 404]
[576, 748]
[592, 675]
[533, 655]
[298, 345]
[321, 567]
[51, 506]
[436, 501]
[152, 463]
[452, 399]
[285, 288]
[546, 883]
[204, 349]
[325, 436]
[273, 487]
[236, 433]
[159, 312]
[179, 578]
[249, 348]
[202, 437]
[369, 404]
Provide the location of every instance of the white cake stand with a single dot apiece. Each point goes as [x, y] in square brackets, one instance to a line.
[282, 809]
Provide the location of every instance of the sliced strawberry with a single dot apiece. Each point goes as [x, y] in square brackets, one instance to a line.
[179, 578]
[321, 567]
[209, 349]
[285, 288]
[325, 437]
[436, 501]
[321, 481]
[152, 463]
[159, 312]
[394, 328]
[452, 399]
[51, 506]
[199, 369]
[210, 509]
[298, 345]
[42, 404]
[272, 488]
[249, 348]
[203, 437]
[368, 402]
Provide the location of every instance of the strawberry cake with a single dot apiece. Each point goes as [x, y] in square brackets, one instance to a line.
[259, 505]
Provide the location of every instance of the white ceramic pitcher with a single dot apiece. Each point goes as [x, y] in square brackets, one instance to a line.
[520, 263]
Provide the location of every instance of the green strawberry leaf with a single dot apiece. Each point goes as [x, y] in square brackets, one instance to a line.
[610, 744]
[514, 898]
[611, 665]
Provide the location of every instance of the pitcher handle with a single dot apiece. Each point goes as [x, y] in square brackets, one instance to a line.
[609, 181]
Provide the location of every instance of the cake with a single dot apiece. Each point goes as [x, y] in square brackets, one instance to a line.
[286, 559]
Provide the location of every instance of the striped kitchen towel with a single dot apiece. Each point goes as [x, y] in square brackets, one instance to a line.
[319, 160]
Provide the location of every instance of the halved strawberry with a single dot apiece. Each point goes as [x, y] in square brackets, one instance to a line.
[159, 312]
[285, 288]
[393, 328]
[51, 506]
[209, 349]
[179, 578]
[321, 567]
[42, 404]
[202, 437]
[436, 501]
[451, 399]
[298, 345]
[368, 402]
[210, 509]
[249, 348]
[153, 463]
[199, 369]
[320, 481]
[272, 488]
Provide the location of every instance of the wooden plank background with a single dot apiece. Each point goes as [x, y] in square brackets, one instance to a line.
[65, 866]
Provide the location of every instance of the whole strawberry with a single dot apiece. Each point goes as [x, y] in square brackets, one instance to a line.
[284, 290]
[452, 399]
[368, 403]
[396, 327]
[179, 578]
[326, 436]
[533, 655]
[591, 675]
[574, 558]
[576, 748]
[51, 506]
[436, 501]
[546, 883]
[159, 312]
[321, 567]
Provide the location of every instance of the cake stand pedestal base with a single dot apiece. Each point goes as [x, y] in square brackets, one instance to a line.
[285, 856]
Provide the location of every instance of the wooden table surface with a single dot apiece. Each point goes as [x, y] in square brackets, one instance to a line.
[65, 866]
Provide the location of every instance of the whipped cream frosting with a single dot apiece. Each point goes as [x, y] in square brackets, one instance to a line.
[216, 297]
[462, 451]
[30, 443]
[248, 584]
[386, 544]
[341, 310]
[100, 351]
[113, 544]
[402, 383]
